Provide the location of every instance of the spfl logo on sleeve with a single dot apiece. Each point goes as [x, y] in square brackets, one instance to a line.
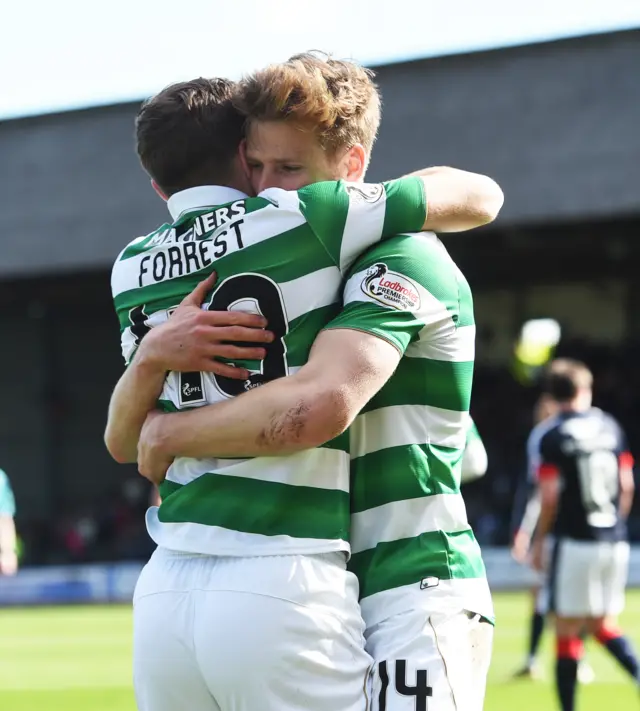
[390, 288]
[367, 193]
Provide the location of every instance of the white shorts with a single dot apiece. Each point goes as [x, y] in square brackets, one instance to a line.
[588, 578]
[434, 662]
[272, 633]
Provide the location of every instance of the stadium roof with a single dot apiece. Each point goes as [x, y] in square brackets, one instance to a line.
[555, 124]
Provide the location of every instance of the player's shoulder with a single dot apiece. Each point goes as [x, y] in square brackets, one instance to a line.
[544, 430]
[281, 198]
[135, 248]
[411, 251]
[607, 419]
[589, 423]
[323, 206]
[142, 242]
[326, 191]
[419, 257]
[4, 479]
[601, 414]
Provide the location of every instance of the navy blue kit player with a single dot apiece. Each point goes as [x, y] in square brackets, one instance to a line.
[585, 478]
[525, 520]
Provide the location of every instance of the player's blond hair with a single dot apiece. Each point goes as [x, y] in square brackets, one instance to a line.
[336, 99]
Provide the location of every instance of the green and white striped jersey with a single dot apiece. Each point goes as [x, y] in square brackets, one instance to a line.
[411, 543]
[472, 433]
[285, 255]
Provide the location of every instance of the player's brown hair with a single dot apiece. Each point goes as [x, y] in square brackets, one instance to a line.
[337, 99]
[188, 134]
[565, 377]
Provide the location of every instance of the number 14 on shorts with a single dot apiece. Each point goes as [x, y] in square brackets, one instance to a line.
[400, 693]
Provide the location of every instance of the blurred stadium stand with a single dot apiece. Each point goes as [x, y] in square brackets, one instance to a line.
[556, 124]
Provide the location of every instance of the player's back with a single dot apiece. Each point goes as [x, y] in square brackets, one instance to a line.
[282, 254]
[411, 542]
[583, 449]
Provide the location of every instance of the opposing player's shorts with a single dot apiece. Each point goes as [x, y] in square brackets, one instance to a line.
[429, 662]
[272, 633]
[588, 578]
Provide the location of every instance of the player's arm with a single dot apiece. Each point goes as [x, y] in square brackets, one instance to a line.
[474, 459]
[190, 340]
[627, 484]
[549, 488]
[525, 530]
[549, 480]
[350, 217]
[8, 538]
[349, 362]
[458, 200]
[345, 369]
[527, 502]
[626, 481]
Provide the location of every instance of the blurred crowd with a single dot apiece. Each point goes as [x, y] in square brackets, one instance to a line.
[502, 407]
[111, 529]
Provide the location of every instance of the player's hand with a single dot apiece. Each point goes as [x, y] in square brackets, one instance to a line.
[192, 339]
[8, 563]
[153, 461]
[520, 547]
[537, 557]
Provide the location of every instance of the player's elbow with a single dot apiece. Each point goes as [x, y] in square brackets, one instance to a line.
[117, 449]
[329, 414]
[471, 473]
[488, 200]
[119, 455]
[474, 462]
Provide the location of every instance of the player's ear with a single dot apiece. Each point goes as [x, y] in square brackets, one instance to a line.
[242, 152]
[158, 189]
[356, 159]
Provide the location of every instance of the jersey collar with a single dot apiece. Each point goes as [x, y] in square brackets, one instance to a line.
[202, 196]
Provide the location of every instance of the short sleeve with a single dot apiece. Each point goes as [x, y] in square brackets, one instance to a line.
[402, 290]
[621, 436]
[548, 460]
[348, 218]
[472, 433]
[474, 460]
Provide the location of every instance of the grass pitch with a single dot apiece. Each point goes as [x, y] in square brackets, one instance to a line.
[79, 659]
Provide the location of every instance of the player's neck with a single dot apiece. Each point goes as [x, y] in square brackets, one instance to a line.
[578, 405]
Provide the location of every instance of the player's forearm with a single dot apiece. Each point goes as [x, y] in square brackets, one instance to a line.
[531, 516]
[625, 503]
[627, 487]
[282, 417]
[345, 369]
[135, 395]
[8, 537]
[548, 508]
[458, 200]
